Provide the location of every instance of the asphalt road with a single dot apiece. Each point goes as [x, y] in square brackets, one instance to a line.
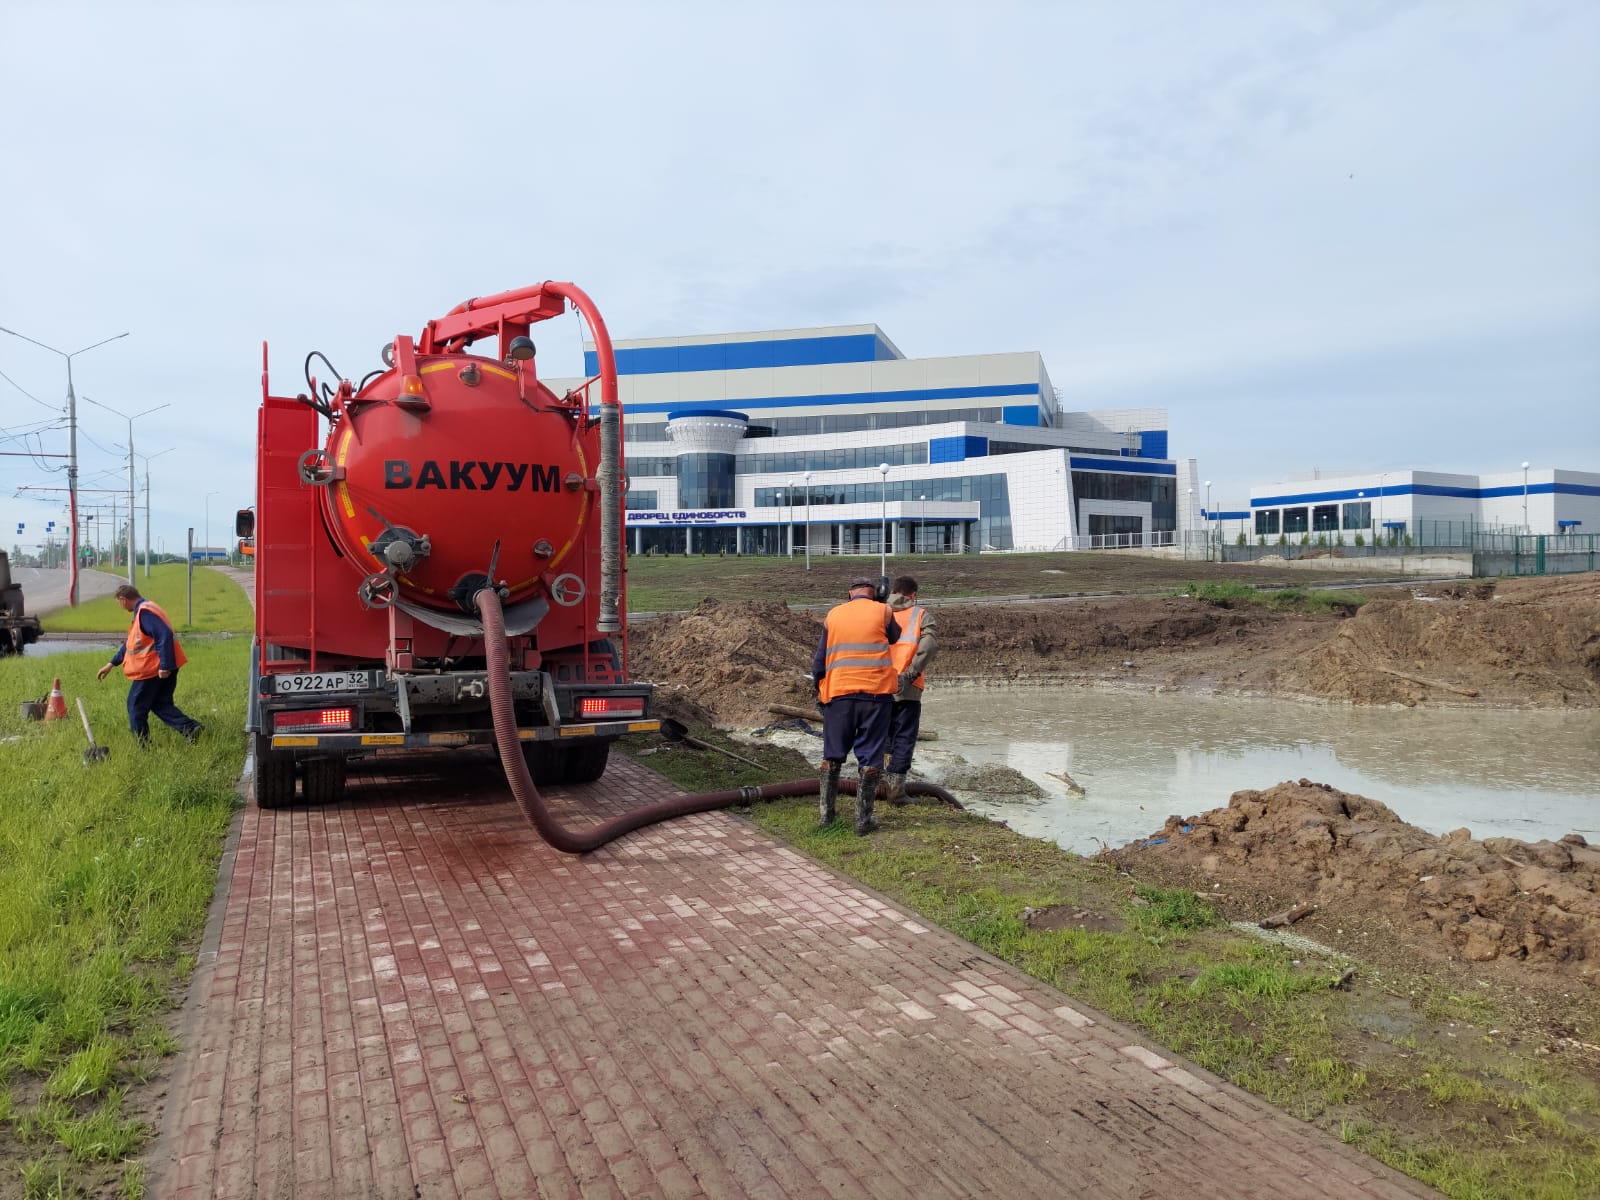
[44, 591]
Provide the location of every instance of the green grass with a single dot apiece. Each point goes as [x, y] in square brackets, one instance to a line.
[1498, 1124]
[1292, 599]
[220, 605]
[106, 871]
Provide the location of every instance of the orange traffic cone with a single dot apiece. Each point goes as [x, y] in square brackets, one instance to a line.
[56, 708]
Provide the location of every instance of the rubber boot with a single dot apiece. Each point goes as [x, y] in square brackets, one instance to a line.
[866, 793]
[894, 788]
[828, 795]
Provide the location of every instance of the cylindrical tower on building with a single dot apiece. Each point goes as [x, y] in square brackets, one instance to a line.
[705, 443]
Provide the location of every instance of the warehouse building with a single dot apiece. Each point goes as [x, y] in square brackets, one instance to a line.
[1425, 508]
[831, 440]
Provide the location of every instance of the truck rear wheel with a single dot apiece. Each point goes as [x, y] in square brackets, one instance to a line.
[274, 776]
[585, 764]
[324, 780]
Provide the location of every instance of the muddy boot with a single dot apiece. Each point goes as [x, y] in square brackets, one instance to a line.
[893, 788]
[866, 793]
[828, 795]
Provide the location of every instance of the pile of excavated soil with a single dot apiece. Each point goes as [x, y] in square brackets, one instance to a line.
[1524, 641]
[1531, 643]
[730, 660]
[1499, 904]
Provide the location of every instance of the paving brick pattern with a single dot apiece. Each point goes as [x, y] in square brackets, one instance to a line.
[412, 996]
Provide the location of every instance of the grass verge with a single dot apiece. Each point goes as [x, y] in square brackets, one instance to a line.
[1298, 600]
[220, 605]
[1405, 1079]
[105, 874]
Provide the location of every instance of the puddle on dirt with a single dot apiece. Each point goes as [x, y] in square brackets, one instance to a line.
[1140, 757]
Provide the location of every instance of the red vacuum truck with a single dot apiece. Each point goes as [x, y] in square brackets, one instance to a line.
[392, 514]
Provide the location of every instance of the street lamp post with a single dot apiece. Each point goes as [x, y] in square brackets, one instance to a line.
[883, 524]
[922, 522]
[208, 524]
[147, 543]
[808, 520]
[1209, 519]
[72, 449]
[1526, 528]
[788, 523]
[1383, 480]
[133, 498]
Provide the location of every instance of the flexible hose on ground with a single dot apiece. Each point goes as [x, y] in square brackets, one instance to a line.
[574, 841]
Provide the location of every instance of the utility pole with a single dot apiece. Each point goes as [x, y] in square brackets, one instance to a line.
[72, 448]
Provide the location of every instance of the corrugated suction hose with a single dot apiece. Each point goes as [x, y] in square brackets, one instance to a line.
[574, 841]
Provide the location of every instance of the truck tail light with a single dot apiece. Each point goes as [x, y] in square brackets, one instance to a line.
[316, 718]
[611, 706]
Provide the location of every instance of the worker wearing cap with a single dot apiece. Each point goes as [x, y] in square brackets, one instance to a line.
[856, 683]
[150, 658]
[912, 652]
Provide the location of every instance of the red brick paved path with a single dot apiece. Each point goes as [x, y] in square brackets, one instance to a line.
[418, 998]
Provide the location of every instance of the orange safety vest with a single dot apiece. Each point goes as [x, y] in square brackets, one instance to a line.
[139, 657]
[904, 650]
[856, 658]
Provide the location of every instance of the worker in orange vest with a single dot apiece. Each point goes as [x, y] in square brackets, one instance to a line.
[912, 653]
[150, 657]
[856, 682]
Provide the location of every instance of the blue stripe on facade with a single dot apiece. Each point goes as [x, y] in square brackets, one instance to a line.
[749, 403]
[1134, 466]
[1020, 414]
[1429, 489]
[948, 449]
[741, 356]
[1153, 443]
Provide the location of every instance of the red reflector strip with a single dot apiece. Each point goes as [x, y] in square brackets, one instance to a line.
[324, 718]
[622, 706]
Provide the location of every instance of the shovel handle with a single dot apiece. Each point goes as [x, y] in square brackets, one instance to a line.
[84, 713]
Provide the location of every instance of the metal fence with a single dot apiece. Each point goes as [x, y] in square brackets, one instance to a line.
[1535, 553]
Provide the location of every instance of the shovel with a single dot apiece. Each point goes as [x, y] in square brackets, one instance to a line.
[672, 731]
[95, 752]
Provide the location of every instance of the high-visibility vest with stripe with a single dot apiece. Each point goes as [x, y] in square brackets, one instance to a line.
[139, 657]
[904, 650]
[856, 657]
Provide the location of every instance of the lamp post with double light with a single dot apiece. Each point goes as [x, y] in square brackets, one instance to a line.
[1383, 482]
[883, 524]
[147, 542]
[72, 449]
[133, 498]
[808, 520]
[788, 523]
[208, 524]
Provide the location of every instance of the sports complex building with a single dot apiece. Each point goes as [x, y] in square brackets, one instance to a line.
[830, 439]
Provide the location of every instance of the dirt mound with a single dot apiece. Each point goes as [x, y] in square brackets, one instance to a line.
[1531, 643]
[730, 660]
[1497, 901]
[1028, 639]
[1521, 642]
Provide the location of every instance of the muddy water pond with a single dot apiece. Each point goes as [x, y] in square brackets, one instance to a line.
[1140, 757]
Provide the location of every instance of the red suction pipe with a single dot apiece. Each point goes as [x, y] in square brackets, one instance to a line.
[571, 841]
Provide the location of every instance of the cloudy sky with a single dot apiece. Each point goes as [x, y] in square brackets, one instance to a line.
[1324, 236]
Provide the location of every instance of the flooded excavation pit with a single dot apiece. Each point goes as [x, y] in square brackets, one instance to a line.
[1112, 765]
